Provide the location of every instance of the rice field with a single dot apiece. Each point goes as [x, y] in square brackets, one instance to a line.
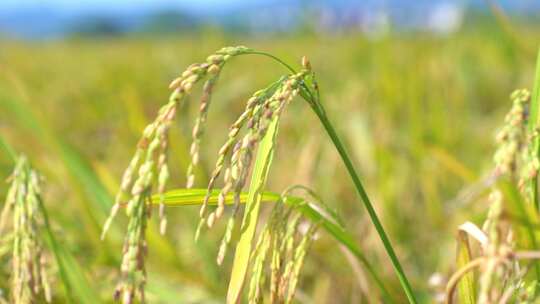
[418, 116]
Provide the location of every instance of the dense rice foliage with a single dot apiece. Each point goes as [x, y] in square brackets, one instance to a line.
[418, 114]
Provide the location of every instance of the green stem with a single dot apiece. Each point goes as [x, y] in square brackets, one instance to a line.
[283, 63]
[367, 203]
[332, 225]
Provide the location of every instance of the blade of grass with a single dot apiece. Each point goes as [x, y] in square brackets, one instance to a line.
[466, 286]
[188, 197]
[242, 253]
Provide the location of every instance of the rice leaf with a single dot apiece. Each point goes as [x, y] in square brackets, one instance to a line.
[261, 168]
[466, 286]
[190, 197]
[534, 115]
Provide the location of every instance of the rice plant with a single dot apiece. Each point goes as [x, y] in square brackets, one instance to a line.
[255, 130]
[20, 227]
[507, 270]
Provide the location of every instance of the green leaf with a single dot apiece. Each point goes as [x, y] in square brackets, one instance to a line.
[261, 168]
[189, 197]
[534, 115]
[466, 286]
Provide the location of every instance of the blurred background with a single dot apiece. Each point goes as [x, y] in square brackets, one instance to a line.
[416, 88]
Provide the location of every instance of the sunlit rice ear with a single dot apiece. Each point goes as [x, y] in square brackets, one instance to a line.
[148, 171]
[279, 254]
[260, 110]
[29, 279]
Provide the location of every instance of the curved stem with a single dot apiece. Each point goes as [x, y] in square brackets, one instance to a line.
[365, 199]
[283, 63]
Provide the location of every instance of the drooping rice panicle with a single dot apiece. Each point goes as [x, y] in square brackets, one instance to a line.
[148, 171]
[133, 272]
[282, 245]
[252, 109]
[213, 66]
[200, 122]
[278, 255]
[158, 129]
[287, 247]
[150, 159]
[263, 114]
[29, 283]
[257, 276]
[265, 245]
[299, 257]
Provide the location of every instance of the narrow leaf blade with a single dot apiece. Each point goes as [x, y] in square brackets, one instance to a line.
[261, 168]
[466, 286]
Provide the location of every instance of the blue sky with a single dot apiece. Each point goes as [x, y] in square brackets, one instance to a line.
[37, 18]
[74, 5]
[213, 5]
